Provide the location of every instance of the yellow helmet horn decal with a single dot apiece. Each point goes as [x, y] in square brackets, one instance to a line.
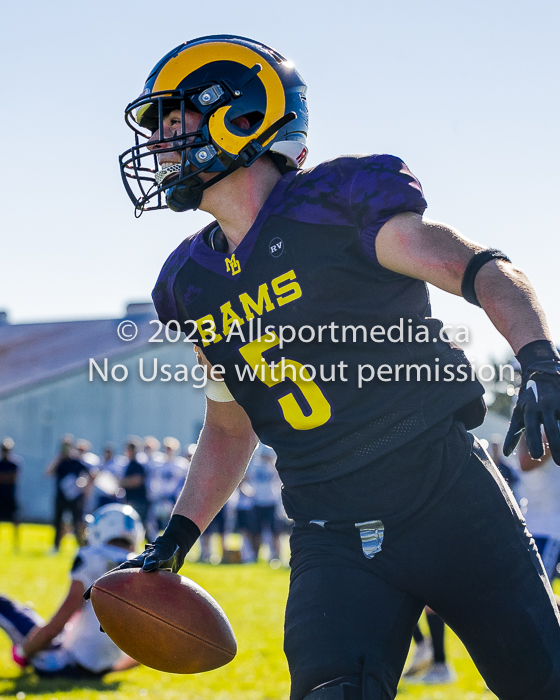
[194, 57]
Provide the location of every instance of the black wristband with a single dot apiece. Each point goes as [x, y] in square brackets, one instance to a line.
[471, 271]
[537, 351]
[183, 531]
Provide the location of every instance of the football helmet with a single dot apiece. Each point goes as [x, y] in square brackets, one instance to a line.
[115, 521]
[222, 78]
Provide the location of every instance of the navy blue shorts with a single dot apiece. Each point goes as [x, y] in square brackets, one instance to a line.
[469, 557]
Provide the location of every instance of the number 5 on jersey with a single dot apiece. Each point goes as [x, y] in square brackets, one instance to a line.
[294, 371]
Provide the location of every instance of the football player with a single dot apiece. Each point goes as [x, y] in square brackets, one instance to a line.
[539, 492]
[10, 467]
[395, 504]
[71, 643]
[73, 481]
[266, 484]
[134, 480]
[429, 654]
[165, 481]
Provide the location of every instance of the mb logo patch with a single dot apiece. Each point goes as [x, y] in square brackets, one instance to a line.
[233, 265]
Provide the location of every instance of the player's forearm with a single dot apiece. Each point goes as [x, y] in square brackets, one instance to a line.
[511, 303]
[217, 468]
[40, 637]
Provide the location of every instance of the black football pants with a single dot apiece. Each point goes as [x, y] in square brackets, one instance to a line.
[469, 558]
[76, 510]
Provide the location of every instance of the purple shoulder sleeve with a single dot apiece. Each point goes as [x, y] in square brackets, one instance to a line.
[382, 187]
[162, 294]
[320, 195]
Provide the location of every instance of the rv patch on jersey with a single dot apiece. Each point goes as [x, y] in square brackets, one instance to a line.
[276, 247]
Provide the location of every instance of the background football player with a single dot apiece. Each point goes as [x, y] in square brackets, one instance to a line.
[78, 649]
[10, 467]
[395, 504]
[539, 497]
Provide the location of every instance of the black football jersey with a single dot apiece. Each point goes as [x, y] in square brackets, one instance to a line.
[308, 263]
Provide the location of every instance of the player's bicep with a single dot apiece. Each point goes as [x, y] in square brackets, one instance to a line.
[426, 250]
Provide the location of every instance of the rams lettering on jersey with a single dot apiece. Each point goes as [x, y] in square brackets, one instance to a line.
[285, 289]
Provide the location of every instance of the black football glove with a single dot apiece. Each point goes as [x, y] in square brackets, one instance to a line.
[167, 552]
[161, 554]
[539, 401]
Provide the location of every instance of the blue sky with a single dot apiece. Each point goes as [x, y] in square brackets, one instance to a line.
[465, 93]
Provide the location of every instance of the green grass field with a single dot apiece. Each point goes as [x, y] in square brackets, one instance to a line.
[253, 596]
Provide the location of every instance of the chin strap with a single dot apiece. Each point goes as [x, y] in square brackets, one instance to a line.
[252, 150]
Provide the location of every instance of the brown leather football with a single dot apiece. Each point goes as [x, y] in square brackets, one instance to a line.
[163, 620]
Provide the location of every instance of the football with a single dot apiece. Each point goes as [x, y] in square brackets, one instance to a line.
[163, 620]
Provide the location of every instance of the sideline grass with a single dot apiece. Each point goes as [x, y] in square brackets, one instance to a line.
[253, 596]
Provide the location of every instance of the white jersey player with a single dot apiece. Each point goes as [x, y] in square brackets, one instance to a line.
[71, 643]
[166, 481]
[539, 498]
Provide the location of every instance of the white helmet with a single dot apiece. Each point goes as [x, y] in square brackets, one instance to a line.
[115, 521]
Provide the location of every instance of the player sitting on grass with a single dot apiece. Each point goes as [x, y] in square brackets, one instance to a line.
[79, 649]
